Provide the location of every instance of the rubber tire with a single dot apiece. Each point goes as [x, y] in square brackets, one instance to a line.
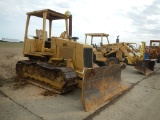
[158, 60]
[112, 59]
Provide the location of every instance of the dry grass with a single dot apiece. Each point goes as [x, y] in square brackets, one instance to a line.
[10, 53]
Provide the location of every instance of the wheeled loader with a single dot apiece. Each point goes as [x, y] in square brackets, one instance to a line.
[116, 53]
[61, 63]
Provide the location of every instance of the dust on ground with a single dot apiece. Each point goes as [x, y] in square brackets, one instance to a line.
[49, 93]
[20, 83]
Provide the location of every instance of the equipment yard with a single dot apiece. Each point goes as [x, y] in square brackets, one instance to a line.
[20, 100]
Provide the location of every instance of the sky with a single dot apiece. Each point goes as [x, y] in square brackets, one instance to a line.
[132, 20]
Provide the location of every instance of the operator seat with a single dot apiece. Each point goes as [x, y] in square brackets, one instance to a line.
[39, 34]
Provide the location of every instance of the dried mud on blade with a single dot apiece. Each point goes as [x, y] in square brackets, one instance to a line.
[145, 66]
[100, 85]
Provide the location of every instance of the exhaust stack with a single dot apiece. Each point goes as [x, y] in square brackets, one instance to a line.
[117, 40]
[70, 26]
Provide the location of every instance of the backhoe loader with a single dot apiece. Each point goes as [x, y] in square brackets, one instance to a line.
[61, 63]
[116, 53]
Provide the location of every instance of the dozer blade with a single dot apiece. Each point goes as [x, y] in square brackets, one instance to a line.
[100, 85]
[145, 66]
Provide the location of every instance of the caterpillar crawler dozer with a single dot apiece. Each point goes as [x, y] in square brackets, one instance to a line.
[61, 63]
[116, 53]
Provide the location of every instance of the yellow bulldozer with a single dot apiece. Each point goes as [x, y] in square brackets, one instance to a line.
[116, 53]
[61, 63]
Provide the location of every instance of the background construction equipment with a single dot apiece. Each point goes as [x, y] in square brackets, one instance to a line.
[116, 53]
[154, 50]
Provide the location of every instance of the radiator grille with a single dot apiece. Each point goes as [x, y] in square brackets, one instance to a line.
[88, 57]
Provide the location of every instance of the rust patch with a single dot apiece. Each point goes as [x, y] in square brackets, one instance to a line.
[100, 85]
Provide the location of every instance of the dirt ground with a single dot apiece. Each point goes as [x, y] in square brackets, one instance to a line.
[10, 53]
